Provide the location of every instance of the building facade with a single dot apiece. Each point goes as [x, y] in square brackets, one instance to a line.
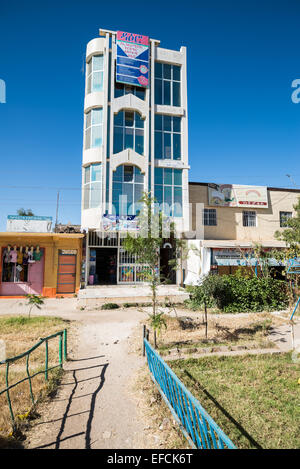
[135, 141]
[231, 230]
[47, 264]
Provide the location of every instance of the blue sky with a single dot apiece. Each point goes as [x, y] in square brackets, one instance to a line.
[242, 58]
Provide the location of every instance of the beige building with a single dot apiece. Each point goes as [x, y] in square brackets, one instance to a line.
[227, 231]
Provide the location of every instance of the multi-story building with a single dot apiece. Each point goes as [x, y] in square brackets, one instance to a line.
[135, 141]
[232, 220]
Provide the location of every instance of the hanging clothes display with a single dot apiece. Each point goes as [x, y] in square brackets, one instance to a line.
[16, 261]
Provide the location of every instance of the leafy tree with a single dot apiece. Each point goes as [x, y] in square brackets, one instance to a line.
[146, 245]
[291, 232]
[291, 236]
[25, 213]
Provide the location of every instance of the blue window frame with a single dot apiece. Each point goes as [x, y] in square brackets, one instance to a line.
[128, 188]
[128, 132]
[167, 84]
[168, 190]
[167, 137]
[92, 187]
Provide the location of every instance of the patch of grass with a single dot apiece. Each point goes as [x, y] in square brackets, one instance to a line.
[19, 334]
[110, 306]
[185, 332]
[35, 321]
[253, 398]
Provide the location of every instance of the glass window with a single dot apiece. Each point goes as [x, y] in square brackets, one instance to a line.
[94, 128]
[158, 70]
[210, 217]
[168, 190]
[128, 132]
[92, 193]
[284, 216]
[167, 84]
[95, 70]
[121, 89]
[128, 188]
[167, 137]
[249, 218]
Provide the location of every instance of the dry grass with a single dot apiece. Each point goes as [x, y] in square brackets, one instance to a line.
[19, 333]
[222, 330]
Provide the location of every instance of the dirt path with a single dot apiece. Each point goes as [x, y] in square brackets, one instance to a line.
[94, 407]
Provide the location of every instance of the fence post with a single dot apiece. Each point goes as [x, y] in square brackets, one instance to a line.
[60, 350]
[144, 335]
[8, 398]
[46, 360]
[65, 344]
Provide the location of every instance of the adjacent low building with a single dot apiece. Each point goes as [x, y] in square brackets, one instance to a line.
[47, 264]
[229, 220]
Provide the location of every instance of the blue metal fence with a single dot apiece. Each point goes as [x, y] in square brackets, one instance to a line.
[197, 426]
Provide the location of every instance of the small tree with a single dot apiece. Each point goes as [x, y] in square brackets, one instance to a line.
[25, 213]
[34, 301]
[154, 228]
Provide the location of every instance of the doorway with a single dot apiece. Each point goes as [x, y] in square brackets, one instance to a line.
[106, 266]
[66, 275]
[167, 273]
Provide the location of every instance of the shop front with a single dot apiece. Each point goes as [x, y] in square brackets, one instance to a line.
[222, 257]
[47, 264]
[108, 263]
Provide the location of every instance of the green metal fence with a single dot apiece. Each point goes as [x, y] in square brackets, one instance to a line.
[62, 355]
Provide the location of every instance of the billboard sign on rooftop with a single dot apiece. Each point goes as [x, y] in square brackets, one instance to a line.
[132, 67]
[231, 195]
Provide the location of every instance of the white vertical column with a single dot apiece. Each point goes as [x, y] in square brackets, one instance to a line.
[184, 141]
[112, 98]
[105, 120]
[152, 103]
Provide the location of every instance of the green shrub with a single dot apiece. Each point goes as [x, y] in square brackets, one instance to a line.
[233, 294]
[110, 306]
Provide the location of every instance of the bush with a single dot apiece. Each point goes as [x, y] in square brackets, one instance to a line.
[110, 306]
[233, 294]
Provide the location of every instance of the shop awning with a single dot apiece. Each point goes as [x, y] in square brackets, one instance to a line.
[227, 244]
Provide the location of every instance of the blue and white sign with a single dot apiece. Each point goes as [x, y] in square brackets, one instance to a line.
[132, 59]
[16, 223]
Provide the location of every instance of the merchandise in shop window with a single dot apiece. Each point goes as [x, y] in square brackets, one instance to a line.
[16, 262]
[37, 255]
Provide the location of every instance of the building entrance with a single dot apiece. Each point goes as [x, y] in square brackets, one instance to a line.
[106, 266]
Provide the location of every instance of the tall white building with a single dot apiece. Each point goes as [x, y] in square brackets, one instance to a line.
[135, 141]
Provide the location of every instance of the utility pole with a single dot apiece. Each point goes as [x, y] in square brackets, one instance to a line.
[57, 204]
[292, 180]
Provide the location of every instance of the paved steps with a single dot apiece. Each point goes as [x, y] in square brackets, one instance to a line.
[120, 294]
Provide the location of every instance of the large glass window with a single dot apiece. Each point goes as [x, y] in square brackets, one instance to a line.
[92, 186]
[167, 137]
[128, 188]
[128, 132]
[168, 190]
[95, 69]
[94, 128]
[167, 84]
[121, 89]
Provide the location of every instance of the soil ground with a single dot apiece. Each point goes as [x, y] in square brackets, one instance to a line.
[97, 404]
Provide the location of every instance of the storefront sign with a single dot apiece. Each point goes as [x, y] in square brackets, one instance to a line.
[223, 257]
[132, 66]
[119, 223]
[70, 252]
[15, 223]
[228, 195]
